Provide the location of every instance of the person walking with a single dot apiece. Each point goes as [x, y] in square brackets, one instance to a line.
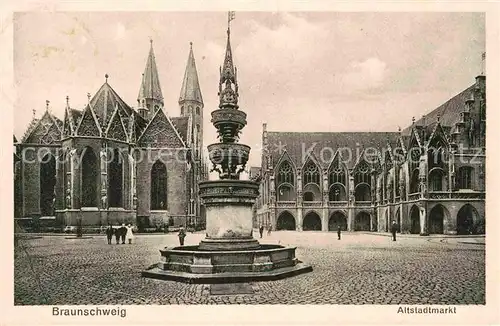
[261, 230]
[109, 233]
[339, 231]
[181, 235]
[123, 232]
[394, 229]
[129, 234]
[117, 232]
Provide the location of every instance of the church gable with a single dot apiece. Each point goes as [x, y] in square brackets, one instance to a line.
[161, 133]
[88, 124]
[45, 132]
[116, 129]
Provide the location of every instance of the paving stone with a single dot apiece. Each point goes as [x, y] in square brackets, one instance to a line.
[360, 269]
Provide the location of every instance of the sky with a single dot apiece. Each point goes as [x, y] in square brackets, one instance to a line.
[297, 71]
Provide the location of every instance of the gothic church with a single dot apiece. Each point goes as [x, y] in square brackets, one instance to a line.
[111, 163]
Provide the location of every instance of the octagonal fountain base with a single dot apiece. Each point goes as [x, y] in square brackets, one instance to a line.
[193, 265]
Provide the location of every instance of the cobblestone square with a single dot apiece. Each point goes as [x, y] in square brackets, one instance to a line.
[361, 268]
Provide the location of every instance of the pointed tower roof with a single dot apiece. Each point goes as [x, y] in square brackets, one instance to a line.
[190, 90]
[150, 85]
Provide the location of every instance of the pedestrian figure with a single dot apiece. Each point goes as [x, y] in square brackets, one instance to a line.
[339, 231]
[269, 228]
[261, 230]
[117, 234]
[129, 234]
[123, 232]
[394, 229]
[109, 233]
[182, 235]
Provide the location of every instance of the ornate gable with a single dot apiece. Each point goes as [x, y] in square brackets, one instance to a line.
[438, 137]
[161, 133]
[116, 130]
[45, 132]
[336, 163]
[88, 125]
[285, 157]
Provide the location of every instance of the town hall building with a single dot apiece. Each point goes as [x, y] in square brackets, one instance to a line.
[111, 163]
[428, 178]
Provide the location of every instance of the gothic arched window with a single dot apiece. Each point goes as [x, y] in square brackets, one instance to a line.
[286, 182]
[115, 180]
[158, 186]
[198, 110]
[312, 178]
[362, 181]
[90, 168]
[437, 180]
[337, 181]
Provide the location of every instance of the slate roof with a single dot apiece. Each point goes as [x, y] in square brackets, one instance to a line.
[181, 124]
[104, 103]
[325, 144]
[150, 85]
[190, 90]
[449, 113]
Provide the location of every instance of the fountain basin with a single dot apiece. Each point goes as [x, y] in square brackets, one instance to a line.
[192, 264]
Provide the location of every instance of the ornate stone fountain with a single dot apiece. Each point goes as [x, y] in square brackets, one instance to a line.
[229, 253]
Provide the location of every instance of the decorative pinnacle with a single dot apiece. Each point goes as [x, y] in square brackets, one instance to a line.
[399, 129]
[413, 120]
[34, 113]
[106, 76]
[438, 118]
[47, 102]
[88, 97]
[67, 100]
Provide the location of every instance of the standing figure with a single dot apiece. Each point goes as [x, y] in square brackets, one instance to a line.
[269, 229]
[394, 229]
[123, 232]
[118, 234]
[261, 230]
[109, 233]
[181, 235]
[129, 234]
[339, 231]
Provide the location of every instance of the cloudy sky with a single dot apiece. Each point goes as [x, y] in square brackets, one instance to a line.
[296, 71]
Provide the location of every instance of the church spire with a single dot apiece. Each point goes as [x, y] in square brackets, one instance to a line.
[150, 95]
[228, 84]
[190, 90]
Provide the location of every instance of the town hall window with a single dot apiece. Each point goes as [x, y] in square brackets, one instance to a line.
[158, 186]
[362, 182]
[198, 110]
[337, 181]
[286, 182]
[464, 177]
[437, 180]
[311, 182]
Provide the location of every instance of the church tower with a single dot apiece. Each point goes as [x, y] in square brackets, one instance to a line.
[191, 102]
[191, 106]
[150, 98]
